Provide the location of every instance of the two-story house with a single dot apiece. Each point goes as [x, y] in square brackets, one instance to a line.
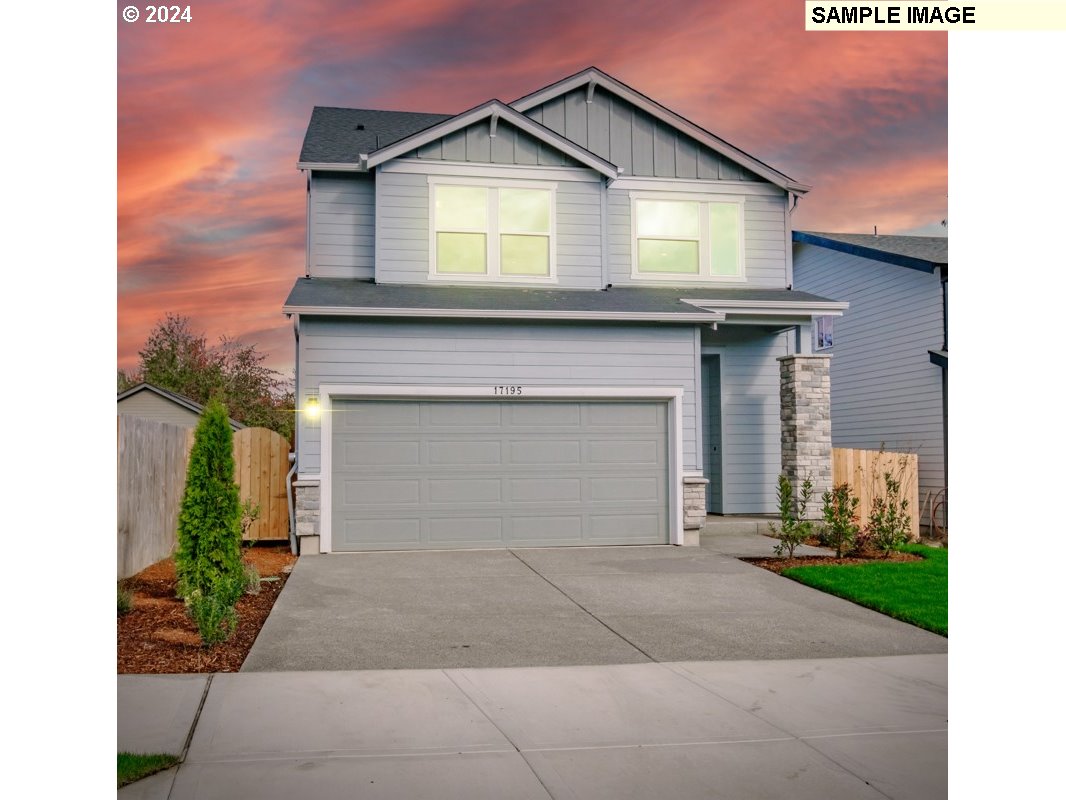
[567, 320]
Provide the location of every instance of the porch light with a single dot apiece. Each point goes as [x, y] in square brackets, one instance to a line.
[311, 408]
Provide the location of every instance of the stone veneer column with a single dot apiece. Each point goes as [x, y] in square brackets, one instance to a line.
[806, 433]
[694, 503]
[308, 513]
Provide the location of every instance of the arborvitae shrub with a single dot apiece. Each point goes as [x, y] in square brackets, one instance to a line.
[208, 558]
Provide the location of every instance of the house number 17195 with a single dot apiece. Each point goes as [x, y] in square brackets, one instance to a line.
[509, 390]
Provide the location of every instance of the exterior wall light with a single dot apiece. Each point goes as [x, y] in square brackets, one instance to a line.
[311, 408]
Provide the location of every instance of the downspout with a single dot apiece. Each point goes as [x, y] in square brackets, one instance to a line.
[944, 387]
[292, 506]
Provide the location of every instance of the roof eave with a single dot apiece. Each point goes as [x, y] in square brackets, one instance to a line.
[920, 264]
[467, 313]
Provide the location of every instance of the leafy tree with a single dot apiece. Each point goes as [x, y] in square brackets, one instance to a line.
[208, 558]
[176, 358]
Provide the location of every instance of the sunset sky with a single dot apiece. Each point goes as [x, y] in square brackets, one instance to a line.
[211, 115]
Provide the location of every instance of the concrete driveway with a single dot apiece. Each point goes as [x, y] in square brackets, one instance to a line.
[562, 606]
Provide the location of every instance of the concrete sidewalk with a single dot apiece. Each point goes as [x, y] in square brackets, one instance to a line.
[819, 728]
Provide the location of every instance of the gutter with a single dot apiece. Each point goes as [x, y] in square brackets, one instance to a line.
[292, 506]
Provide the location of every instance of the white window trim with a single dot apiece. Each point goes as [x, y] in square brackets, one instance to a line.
[328, 392]
[704, 275]
[492, 275]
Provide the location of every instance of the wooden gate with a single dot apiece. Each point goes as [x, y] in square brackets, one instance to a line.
[261, 458]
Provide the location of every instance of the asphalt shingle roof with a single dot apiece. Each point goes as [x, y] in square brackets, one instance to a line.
[333, 135]
[930, 249]
[347, 293]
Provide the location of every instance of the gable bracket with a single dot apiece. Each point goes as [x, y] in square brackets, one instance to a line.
[590, 91]
[492, 124]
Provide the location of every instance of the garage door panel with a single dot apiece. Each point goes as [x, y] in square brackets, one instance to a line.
[554, 452]
[498, 473]
[452, 530]
[452, 453]
[403, 491]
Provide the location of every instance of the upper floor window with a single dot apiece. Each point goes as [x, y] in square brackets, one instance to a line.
[687, 238]
[823, 333]
[502, 232]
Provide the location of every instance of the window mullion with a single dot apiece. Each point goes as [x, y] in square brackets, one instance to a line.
[705, 240]
[493, 233]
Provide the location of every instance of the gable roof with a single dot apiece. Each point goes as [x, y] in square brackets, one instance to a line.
[494, 109]
[597, 77]
[923, 253]
[339, 135]
[173, 397]
[335, 140]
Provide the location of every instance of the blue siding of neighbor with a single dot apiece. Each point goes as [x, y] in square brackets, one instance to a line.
[464, 353]
[751, 416]
[883, 387]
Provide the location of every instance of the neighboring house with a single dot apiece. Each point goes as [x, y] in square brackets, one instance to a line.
[151, 402]
[890, 351]
[567, 320]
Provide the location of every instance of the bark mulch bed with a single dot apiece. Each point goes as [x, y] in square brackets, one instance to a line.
[778, 564]
[157, 636]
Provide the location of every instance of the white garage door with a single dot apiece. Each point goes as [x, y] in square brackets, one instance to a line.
[519, 473]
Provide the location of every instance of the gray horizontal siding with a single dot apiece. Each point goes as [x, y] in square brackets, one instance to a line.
[149, 405]
[884, 389]
[751, 417]
[508, 146]
[341, 235]
[403, 231]
[618, 131]
[461, 353]
[764, 240]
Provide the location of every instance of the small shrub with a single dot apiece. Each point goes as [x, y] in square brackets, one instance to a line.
[125, 599]
[795, 527]
[889, 524]
[215, 619]
[249, 513]
[251, 579]
[839, 510]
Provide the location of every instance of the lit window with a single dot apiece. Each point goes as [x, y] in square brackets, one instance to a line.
[823, 333]
[501, 232]
[697, 239]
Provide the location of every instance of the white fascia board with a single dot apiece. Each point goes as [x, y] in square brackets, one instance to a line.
[692, 185]
[419, 166]
[665, 115]
[331, 167]
[709, 315]
[493, 107]
[828, 308]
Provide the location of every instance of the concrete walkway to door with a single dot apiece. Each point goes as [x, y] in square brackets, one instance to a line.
[559, 607]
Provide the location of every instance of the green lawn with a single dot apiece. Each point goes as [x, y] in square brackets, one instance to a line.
[134, 766]
[915, 592]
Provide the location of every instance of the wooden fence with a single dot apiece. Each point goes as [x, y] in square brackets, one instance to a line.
[152, 458]
[261, 457]
[152, 461]
[864, 471]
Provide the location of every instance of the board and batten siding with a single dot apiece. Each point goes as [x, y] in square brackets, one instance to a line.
[750, 380]
[509, 146]
[765, 262]
[616, 130]
[884, 388]
[403, 235]
[448, 353]
[341, 235]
